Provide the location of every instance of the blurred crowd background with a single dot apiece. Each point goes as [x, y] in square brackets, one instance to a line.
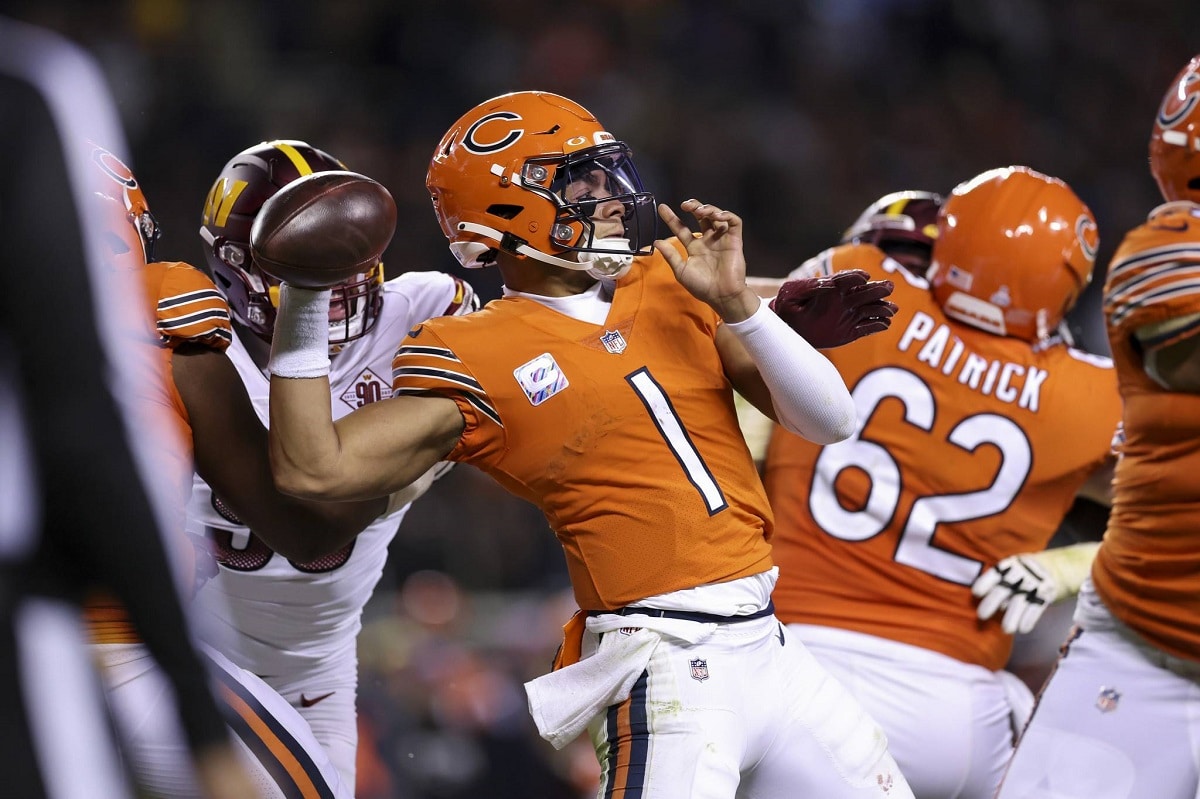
[796, 114]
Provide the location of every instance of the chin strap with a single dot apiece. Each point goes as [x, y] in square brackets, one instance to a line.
[599, 265]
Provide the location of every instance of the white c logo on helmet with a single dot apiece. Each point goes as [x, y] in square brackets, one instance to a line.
[477, 147]
[1169, 117]
[1088, 235]
[113, 167]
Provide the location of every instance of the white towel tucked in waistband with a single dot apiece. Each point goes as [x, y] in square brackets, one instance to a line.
[564, 701]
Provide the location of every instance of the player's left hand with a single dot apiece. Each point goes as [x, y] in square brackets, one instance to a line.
[835, 310]
[1019, 586]
[714, 270]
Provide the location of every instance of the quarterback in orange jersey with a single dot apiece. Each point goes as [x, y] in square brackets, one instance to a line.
[970, 447]
[205, 403]
[1120, 716]
[600, 388]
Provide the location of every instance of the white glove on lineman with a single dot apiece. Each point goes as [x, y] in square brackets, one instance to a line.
[1019, 585]
[1024, 584]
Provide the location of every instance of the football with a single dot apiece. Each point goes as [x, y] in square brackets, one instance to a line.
[322, 229]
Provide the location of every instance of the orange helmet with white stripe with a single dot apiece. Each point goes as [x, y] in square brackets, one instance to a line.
[1015, 249]
[523, 173]
[247, 181]
[1175, 138]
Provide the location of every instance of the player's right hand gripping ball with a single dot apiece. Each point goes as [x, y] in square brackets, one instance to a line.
[323, 229]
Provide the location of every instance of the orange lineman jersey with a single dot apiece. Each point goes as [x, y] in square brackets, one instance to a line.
[188, 309]
[1148, 568]
[971, 447]
[623, 434]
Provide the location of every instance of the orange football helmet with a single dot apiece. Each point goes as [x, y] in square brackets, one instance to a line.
[130, 229]
[1014, 250]
[1175, 138]
[499, 180]
[247, 181]
[903, 224]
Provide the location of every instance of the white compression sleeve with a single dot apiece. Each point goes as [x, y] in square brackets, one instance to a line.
[300, 344]
[809, 395]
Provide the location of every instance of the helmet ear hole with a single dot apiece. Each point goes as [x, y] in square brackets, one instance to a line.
[505, 211]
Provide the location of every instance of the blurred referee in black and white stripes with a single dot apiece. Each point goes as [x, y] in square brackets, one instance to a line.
[76, 510]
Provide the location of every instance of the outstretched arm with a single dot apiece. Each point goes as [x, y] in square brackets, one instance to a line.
[376, 450]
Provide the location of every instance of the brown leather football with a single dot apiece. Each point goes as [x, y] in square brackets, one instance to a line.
[322, 229]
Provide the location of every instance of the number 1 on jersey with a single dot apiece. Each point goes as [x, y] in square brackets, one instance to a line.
[671, 428]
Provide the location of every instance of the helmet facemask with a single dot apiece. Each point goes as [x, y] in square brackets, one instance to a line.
[576, 184]
[581, 182]
[354, 306]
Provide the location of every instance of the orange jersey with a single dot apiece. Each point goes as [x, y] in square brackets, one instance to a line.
[971, 447]
[1148, 568]
[188, 309]
[623, 434]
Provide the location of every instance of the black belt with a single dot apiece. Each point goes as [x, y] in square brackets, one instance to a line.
[686, 615]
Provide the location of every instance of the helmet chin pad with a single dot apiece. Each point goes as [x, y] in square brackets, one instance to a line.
[609, 258]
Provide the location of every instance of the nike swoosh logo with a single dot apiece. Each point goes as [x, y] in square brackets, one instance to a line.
[1175, 228]
[416, 331]
[306, 702]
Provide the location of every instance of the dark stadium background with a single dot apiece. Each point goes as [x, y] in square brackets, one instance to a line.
[794, 114]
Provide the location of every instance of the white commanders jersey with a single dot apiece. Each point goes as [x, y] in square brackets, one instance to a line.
[280, 619]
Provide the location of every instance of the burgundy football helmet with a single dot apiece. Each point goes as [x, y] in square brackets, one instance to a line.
[903, 224]
[249, 179]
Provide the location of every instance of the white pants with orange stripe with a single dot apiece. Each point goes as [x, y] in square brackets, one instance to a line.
[279, 750]
[743, 712]
[327, 703]
[1118, 719]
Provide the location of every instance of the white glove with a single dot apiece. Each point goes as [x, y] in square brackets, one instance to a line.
[1019, 585]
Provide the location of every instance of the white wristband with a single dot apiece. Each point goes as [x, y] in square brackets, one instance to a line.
[810, 397]
[300, 344]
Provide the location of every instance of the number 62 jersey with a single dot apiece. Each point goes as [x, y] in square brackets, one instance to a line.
[970, 447]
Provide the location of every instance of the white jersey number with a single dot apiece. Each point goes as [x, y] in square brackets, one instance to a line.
[916, 547]
[671, 428]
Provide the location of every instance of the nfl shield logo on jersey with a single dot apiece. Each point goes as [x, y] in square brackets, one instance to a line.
[613, 341]
[1108, 699]
[699, 670]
